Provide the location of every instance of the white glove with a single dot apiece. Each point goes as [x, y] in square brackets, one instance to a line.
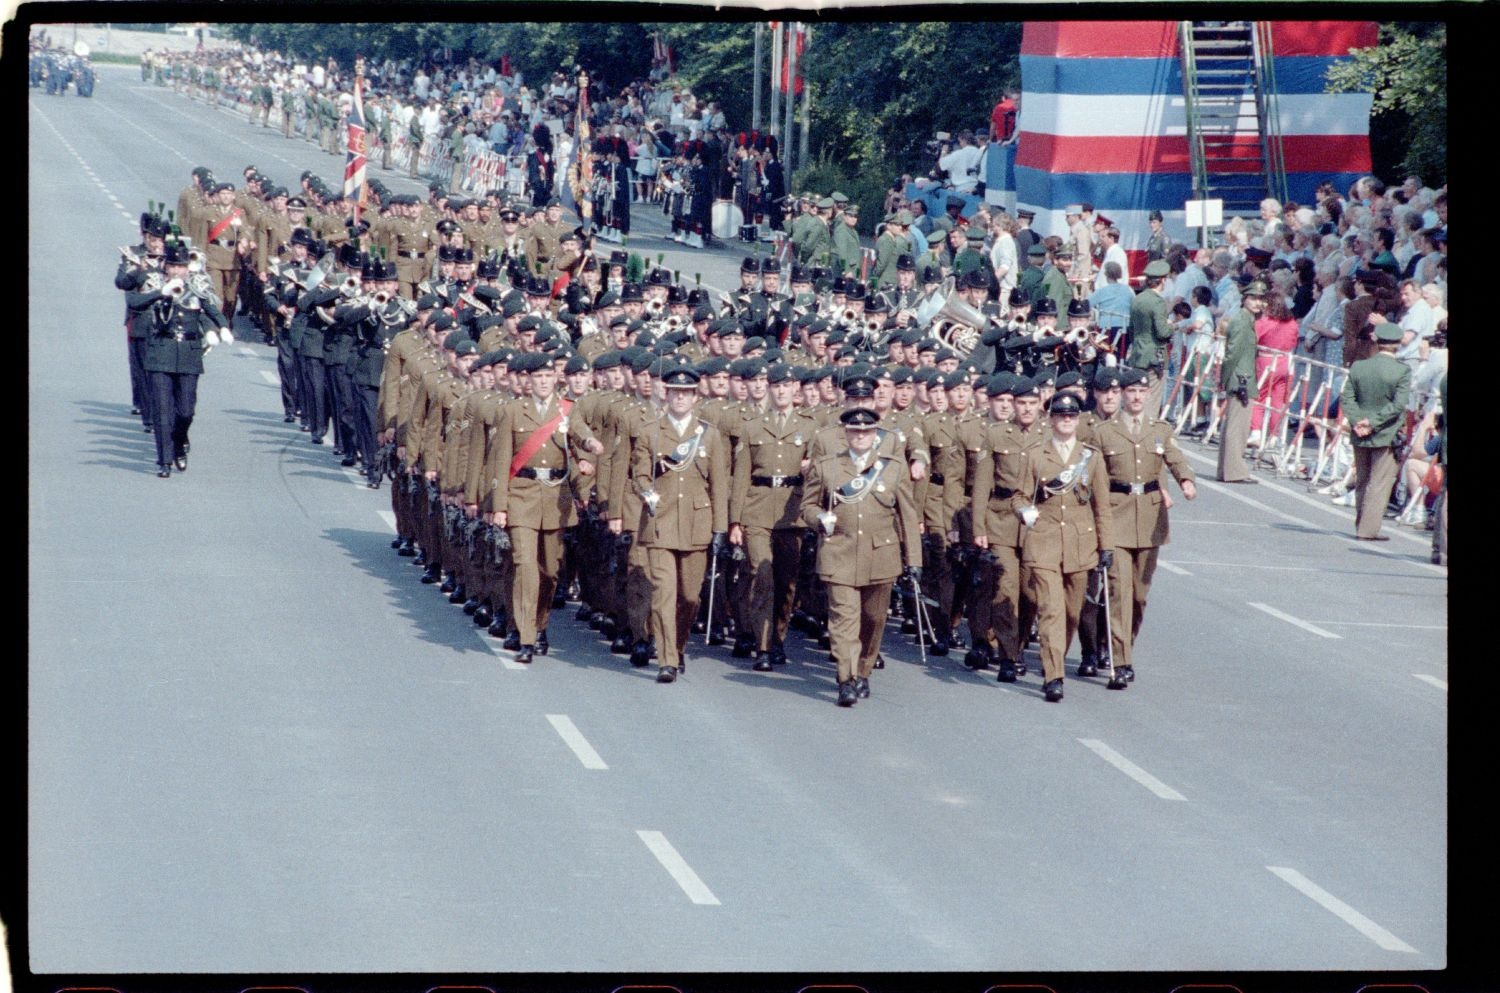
[212, 338]
[651, 498]
[829, 520]
[1028, 515]
[225, 336]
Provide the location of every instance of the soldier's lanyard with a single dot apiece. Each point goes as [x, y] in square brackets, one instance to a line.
[682, 456]
[1069, 478]
[859, 487]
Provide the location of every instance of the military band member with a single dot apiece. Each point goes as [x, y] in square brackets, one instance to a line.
[861, 503]
[1061, 503]
[183, 325]
[680, 468]
[135, 277]
[1138, 451]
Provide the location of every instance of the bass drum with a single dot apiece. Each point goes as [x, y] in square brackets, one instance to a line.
[726, 220]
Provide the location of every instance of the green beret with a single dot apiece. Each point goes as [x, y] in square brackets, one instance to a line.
[1158, 270]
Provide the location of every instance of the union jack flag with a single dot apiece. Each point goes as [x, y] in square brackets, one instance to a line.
[354, 161]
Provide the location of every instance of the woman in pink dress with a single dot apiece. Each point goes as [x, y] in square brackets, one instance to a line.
[1276, 329]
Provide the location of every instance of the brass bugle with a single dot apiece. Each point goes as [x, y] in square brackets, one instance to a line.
[382, 298]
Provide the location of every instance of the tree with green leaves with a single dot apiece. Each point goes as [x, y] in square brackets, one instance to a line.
[1407, 71]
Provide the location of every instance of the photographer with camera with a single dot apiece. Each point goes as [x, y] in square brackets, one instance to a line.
[961, 164]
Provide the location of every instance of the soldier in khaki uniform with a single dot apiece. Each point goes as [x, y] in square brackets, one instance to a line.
[412, 353]
[223, 226]
[1138, 449]
[1061, 502]
[680, 468]
[532, 495]
[861, 503]
[633, 420]
[1374, 401]
[544, 240]
[765, 512]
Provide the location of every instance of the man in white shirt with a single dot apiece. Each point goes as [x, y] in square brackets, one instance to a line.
[962, 164]
[1416, 323]
[1110, 238]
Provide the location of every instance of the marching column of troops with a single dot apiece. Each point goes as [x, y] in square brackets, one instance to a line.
[737, 469]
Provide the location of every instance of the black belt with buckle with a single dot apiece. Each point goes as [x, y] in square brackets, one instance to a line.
[410, 255]
[776, 480]
[1002, 493]
[1136, 488]
[544, 474]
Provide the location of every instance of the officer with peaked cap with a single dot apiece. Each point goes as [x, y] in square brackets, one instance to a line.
[860, 504]
[1067, 531]
[680, 467]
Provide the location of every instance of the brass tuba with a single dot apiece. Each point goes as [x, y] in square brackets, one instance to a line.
[957, 325]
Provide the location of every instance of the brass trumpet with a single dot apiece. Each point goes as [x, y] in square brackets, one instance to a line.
[655, 307]
[381, 299]
[848, 316]
[128, 256]
[349, 287]
[174, 289]
[674, 322]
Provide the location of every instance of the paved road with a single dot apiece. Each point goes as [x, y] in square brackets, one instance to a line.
[258, 744]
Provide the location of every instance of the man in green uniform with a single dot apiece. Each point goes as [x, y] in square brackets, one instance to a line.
[1151, 332]
[1374, 403]
[1237, 382]
[846, 248]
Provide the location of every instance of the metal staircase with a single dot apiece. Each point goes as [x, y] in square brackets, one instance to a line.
[1234, 133]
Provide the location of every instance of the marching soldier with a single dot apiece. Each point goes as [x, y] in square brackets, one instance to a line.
[224, 226]
[770, 460]
[680, 468]
[1138, 448]
[861, 503]
[532, 494]
[1067, 532]
[136, 277]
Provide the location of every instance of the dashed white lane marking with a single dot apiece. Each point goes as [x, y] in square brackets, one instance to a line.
[245, 351]
[1295, 621]
[1340, 909]
[575, 740]
[678, 868]
[1176, 570]
[270, 377]
[87, 169]
[1431, 681]
[389, 516]
[1130, 769]
[506, 659]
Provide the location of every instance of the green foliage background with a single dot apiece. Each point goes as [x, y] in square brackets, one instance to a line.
[1407, 71]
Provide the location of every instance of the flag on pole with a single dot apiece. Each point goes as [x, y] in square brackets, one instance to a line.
[354, 160]
[797, 31]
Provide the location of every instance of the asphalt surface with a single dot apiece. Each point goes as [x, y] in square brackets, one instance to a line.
[270, 748]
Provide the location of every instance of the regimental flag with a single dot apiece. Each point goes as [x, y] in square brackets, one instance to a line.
[796, 34]
[354, 161]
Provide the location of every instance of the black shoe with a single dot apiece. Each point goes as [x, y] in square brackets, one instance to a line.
[847, 696]
[449, 584]
[164, 472]
[542, 644]
[621, 645]
[1119, 680]
[584, 613]
[308, 429]
[823, 640]
[512, 641]
[147, 428]
[432, 575]
[879, 662]
[181, 463]
[373, 483]
[744, 645]
[682, 663]
[939, 647]
[317, 441]
[717, 637]
[610, 628]
[1128, 671]
[288, 419]
[420, 558]
[396, 541]
[1053, 690]
[762, 663]
[559, 601]
[347, 461]
[699, 627]
[862, 688]
[471, 606]
[1007, 672]
[135, 411]
[525, 653]
[497, 626]
[640, 654]
[459, 594]
[667, 674]
[1088, 666]
[404, 548]
[777, 655]
[483, 615]
[977, 659]
[908, 626]
[597, 619]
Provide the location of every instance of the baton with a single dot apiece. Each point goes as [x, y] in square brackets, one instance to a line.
[1109, 631]
[921, 611]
